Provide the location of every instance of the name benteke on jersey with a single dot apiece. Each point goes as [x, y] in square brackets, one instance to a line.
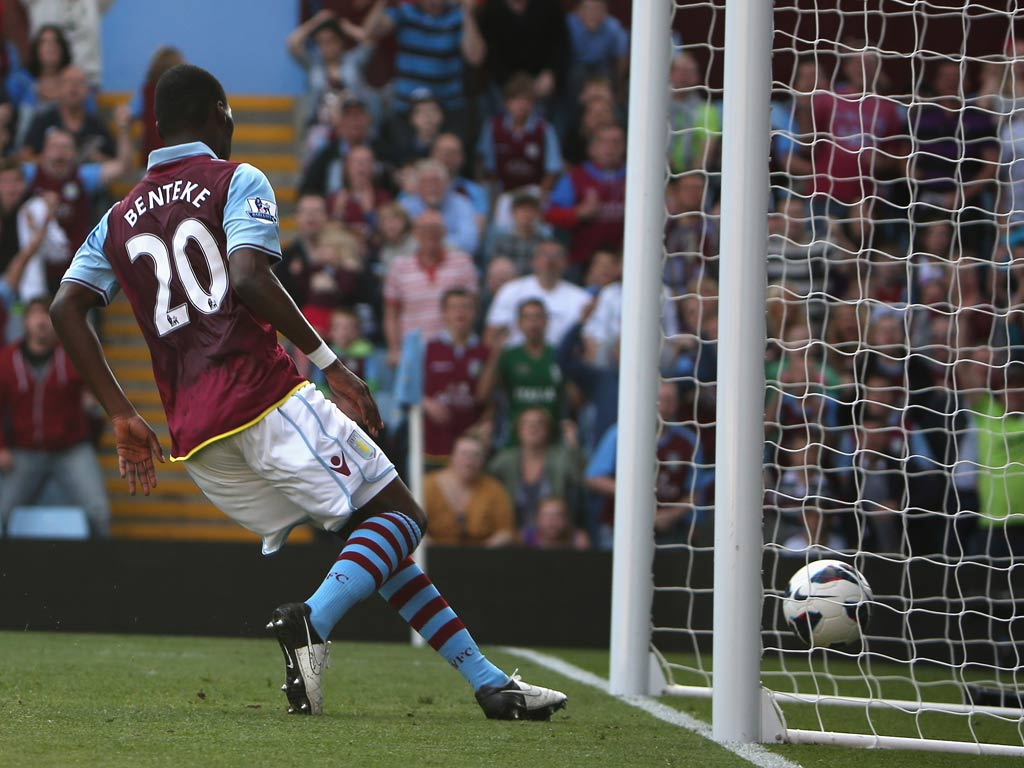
[165, 194]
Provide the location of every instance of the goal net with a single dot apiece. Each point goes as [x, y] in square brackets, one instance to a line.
[894, 364]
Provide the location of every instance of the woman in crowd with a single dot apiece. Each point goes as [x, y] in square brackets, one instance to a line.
[465, 506]
[538, 467]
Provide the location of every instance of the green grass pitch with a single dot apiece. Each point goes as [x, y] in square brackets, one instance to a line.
[99, 700]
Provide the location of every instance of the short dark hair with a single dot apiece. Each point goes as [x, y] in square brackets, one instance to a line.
[531, 302]
[520, 85]
[454, 292]
[40, 300]
[185, 95]
[331, 25]
[11, 163]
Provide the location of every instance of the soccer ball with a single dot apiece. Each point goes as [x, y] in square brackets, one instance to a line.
[826, 603]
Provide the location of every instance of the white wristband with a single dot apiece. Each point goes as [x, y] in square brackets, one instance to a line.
[323, 356]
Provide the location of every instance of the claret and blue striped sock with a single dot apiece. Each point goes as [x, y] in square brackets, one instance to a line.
[411, 592]
[374, 551]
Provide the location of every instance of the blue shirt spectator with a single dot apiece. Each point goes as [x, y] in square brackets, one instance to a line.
[432, 189]
[598, 40]
[433, 38]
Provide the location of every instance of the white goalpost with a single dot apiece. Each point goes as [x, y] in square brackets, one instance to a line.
[833, 194]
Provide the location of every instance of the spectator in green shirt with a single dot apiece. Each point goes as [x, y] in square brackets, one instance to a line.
[527, 375]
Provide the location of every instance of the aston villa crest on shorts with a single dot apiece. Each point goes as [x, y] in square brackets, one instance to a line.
[361, 446]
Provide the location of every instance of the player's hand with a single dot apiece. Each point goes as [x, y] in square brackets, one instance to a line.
[353, 397]
[6, 460]
[137, 444]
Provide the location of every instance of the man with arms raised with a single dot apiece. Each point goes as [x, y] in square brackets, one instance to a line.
[192, 247]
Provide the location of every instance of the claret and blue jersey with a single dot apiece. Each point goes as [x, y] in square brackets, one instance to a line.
[166, 245]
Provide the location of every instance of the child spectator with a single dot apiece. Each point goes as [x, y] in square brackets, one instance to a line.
[554, 529]
[394, 235]
[500, 270]
[318, 45]
[346, 339]
[517, 148]
[412, 139]
[336, 275]
[518, 242]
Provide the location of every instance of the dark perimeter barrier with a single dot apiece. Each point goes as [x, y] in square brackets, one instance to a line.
[511, 596]
[514, 596]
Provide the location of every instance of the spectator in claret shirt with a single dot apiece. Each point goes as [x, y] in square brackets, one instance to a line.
[453, 362]
[857, 134]
[293, 268]
[41, 395]
[589, 200]
[518, 148]
[356, 203]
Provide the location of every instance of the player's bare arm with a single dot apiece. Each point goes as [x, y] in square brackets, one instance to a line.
[259, 289]
[137, 444]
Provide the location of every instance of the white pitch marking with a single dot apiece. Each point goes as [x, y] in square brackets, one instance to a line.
[752, 753]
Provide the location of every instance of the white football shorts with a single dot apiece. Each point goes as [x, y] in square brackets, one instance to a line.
[304, 462]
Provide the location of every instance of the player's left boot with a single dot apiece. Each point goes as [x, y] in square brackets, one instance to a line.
[305, 657]
[518, 700]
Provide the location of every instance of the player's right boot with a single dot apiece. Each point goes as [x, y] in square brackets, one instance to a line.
[305, 657]
[516, 700]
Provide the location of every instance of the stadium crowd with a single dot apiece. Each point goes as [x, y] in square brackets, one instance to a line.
[459, 242]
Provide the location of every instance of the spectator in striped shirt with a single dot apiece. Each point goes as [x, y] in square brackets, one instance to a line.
[415, 284]
[436, 39]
